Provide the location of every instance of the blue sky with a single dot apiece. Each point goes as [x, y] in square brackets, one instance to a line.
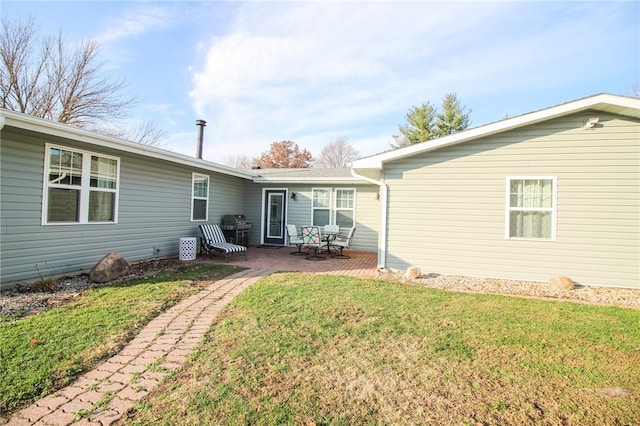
[313, 72]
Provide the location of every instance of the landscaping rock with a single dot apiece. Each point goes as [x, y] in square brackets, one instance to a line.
[413, 272]
[109, 268]
[561, 282]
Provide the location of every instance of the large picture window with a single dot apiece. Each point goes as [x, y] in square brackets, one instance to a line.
[200, 197]
[80, 187]
[531, 212]
[338, 209]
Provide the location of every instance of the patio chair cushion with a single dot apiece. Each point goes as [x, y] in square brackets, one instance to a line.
[332, 228]
[294, 237]
[213, 239]
[343, 244]
[295, 240]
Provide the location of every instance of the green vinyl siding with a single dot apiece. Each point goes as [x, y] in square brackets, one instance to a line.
[154, 211]
[447, 207]
[299, 210]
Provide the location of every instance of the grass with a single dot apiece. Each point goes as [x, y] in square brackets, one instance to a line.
[42, 353]
[298, 349]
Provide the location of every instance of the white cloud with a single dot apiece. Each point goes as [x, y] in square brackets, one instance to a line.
[135, 21]
[308, 71]
[131, 24]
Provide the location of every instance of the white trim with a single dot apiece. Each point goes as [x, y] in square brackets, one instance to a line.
[553, 209]
[306, 180]
[603, 102]
[55, 129]
[193, 196]
[268, 201]
[329, 207]
[382, 232]
[263, 213]
[84, 188]
[352, 209]
[332, 208]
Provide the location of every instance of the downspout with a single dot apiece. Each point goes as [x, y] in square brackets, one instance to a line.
[382, 237]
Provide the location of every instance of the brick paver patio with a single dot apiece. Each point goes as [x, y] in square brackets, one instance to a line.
[103, 395]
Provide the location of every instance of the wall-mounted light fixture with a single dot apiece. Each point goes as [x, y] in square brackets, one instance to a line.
[377, 195]
[293, 195]
[591, 123]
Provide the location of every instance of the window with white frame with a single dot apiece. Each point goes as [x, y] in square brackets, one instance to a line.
[200, 197]
[80, 186]
[531, 212]
[345, 207]
[321, 206]
[333, 206]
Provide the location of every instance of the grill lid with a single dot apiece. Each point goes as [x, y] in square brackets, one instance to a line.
[234, 219]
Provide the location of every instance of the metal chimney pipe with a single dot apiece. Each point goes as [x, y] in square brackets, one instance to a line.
[201, 124]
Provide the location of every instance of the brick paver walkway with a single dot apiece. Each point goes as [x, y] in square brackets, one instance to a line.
[102, 396]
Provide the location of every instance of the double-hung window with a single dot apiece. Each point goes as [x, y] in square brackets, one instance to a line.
[321, 206]
[80, 187]
[345, 207]
[199, 197]
[333, 207]
[531, 212]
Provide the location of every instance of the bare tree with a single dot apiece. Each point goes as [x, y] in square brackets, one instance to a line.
[147, 133]
[634, 91]
[241, 161]
[50, 79]
[337, 154]
[23, 75]
[284, 155]
[82, 95]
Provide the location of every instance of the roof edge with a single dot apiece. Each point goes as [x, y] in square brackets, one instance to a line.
[592, 102]
[27, 122]
[329, 180]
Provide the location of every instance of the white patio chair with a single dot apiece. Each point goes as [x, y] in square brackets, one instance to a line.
[340, 244]
[295, 239]
[333, 229]
[312, 239]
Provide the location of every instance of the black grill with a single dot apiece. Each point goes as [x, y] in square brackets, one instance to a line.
[236, 229]
[234, 221]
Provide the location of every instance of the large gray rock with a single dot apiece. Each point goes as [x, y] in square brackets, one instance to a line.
[109, 268]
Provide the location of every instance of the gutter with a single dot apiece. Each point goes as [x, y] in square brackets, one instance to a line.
[382, 236]
[297, 179]
[54, 128]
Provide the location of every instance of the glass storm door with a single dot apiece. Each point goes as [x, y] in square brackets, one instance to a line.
[275, 203]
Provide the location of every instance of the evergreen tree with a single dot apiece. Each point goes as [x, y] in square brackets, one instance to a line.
[453, 117]
[419, 127]
[424, 122]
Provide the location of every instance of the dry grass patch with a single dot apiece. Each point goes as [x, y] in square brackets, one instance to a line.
[42, 353]
[302, 349]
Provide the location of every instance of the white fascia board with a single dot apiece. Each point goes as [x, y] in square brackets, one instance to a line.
[48, 127]
[617, 104]
[314, 180]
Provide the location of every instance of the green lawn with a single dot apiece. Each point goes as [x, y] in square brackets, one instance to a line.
[42, 353]
[303, 349]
